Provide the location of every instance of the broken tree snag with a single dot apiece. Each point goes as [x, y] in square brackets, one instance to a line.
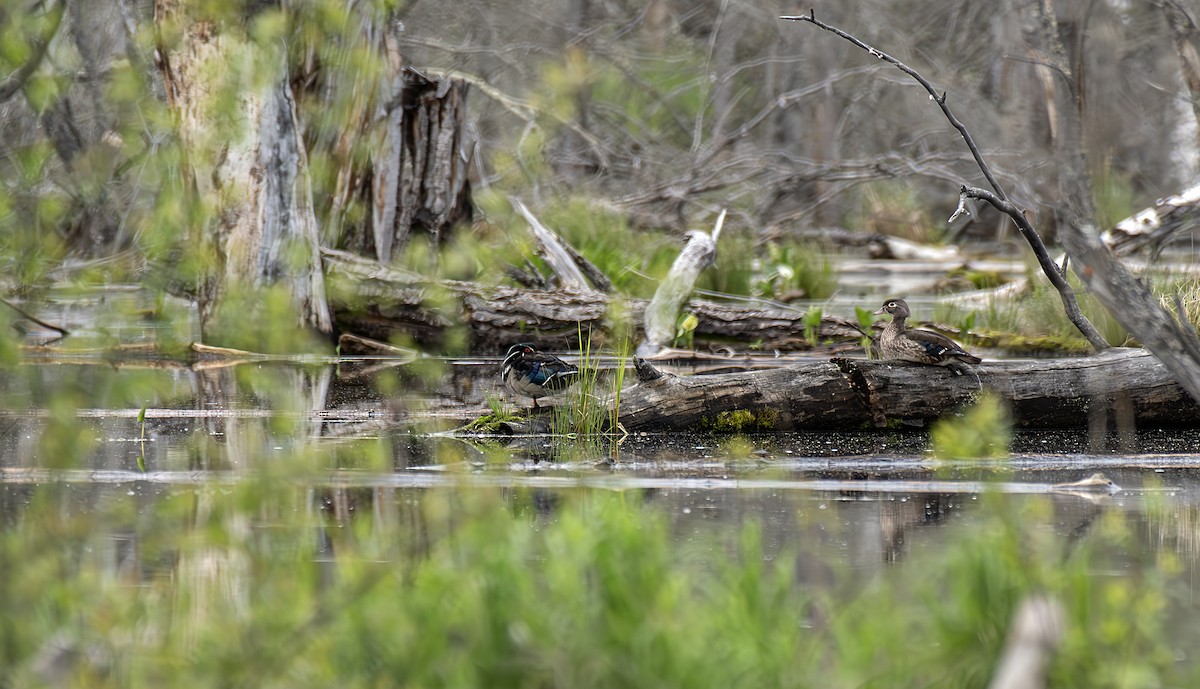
[421, 175]
[662, 313]
[857, 393]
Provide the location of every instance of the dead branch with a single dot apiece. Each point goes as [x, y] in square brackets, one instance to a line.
[663, 312]
[1057, 277]
[1154, 225]
[562, 262]
[30, 317]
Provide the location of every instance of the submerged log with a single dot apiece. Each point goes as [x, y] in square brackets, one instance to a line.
[1127, 385]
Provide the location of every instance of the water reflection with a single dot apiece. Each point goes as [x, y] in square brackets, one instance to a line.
[340, 440]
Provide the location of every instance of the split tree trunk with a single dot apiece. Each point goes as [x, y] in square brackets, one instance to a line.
[421, 173]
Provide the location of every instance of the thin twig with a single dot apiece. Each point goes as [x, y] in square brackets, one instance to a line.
[933, 94]
[28, 316]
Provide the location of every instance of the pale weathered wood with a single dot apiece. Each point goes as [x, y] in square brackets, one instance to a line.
[420, 172]
[554, 251]
[857, 393]
[1155, 224]
[662, 313]
[251, 168]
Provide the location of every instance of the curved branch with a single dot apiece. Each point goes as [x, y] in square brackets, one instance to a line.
[1056, 274]
[998, 199]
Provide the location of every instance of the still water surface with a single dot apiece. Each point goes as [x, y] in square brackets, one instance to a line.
[378, 429]
[138, 457]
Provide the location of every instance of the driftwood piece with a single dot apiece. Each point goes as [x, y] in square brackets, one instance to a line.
[1155, 224]
[562, 263]
[660, 316]
[857, 393]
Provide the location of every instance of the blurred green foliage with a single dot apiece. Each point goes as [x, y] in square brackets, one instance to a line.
[981, 431]
[234, 586]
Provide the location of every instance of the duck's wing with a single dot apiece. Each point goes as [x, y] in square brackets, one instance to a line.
[939, 346]
[548, 370]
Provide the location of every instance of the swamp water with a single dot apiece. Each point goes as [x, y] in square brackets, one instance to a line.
[298, 524]
[282, 522]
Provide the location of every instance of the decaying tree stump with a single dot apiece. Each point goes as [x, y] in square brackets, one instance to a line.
[857, 394]
[421, 173]
[252, 168]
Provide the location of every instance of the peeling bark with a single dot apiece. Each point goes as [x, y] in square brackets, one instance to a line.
[421, 180]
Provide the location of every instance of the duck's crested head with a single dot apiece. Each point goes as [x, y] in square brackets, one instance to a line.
[517, 351]
[898, 308]
[521, 347]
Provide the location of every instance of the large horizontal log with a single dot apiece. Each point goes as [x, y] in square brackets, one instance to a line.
[1122, 386]
[377, 301]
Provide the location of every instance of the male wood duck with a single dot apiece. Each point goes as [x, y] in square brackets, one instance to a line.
[535, 374]
[921, 346]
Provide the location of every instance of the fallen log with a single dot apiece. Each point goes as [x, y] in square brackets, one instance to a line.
[1125, 386]
[376, 301]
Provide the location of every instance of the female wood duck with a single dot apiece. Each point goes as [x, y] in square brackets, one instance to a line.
[921, 346]
[535, 374]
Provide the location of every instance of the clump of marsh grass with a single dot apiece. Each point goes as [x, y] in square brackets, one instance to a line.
[591, 406]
